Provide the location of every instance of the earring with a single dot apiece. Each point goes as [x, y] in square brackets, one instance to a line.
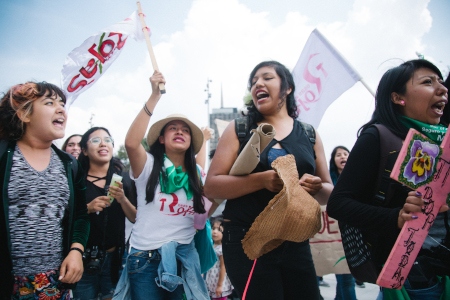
[402, 102]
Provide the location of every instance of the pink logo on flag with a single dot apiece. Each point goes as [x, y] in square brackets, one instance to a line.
[321, 75]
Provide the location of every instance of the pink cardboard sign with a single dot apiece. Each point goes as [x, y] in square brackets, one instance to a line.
[423, 166]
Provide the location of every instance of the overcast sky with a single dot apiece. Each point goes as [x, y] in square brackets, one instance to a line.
[222, 40]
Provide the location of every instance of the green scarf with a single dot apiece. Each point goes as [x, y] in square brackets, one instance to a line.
[433, 132]
[172, 179]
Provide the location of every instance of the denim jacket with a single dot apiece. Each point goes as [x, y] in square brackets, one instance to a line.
[193, 283]
[192, 280]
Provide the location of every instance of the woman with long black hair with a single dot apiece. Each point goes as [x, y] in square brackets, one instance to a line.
[107, 237]
[411, 95]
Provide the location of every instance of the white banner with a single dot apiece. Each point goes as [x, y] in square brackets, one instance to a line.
[88, 62]
[321, 75]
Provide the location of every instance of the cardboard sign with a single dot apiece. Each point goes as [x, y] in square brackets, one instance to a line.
[326, 247]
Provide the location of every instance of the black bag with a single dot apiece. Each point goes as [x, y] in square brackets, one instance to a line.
[93, 260]
[358, 251]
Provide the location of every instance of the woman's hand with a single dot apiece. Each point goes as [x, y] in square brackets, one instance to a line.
[312, 184]
[98, 204]
[155, 80]
[413, 204]
[207, 133]
[117, 192]
[71, 268]
[272, 181]
[219, 291]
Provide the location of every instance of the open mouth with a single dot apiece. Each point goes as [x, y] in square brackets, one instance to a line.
[439, 107]
[261, 95]
[58, 122]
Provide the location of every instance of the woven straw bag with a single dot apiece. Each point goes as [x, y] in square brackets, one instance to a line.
[292, 215]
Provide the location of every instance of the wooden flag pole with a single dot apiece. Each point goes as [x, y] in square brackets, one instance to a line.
[146, 30]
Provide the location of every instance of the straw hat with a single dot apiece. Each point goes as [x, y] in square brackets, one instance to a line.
[292, 215]
[196, 134]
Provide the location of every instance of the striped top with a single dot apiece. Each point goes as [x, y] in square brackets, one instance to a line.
[37, 205]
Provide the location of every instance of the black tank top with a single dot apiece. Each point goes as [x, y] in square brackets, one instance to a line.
[243, 210]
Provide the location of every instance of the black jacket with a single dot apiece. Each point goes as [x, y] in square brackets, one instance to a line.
[76, 221]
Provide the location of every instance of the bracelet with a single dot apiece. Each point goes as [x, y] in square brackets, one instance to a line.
[77, 249]
[147, 111]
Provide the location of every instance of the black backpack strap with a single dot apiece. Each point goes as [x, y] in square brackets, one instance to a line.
[241, 128]
[389, 145]
[310, 132]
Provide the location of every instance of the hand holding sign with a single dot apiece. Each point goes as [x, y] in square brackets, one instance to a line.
[425, 167]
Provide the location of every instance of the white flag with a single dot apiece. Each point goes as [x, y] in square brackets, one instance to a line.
[321, 75]
[87, 63]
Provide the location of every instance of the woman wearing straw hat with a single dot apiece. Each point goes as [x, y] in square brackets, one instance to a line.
[286, 272]
[169, 191]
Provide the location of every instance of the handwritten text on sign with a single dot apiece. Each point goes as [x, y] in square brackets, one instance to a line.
[425, 167]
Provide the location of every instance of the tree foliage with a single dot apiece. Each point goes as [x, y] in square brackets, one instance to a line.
[123, 156]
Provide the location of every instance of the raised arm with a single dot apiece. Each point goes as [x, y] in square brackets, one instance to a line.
[201, 155]
[136, 132]
[220, 185]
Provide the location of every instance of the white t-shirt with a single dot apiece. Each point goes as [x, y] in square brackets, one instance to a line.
[169, 217]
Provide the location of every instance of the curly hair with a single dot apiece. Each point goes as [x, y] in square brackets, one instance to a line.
[21, 98]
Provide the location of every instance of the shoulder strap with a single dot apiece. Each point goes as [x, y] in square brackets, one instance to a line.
[389, 144]
[241, 127]
[310, 132]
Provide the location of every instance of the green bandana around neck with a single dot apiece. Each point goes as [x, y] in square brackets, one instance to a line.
[172, 179]
[433, 132]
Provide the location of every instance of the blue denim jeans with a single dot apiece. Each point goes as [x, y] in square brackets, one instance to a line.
[345, 287]
[91, 286]
[431, 293]
[142, 268]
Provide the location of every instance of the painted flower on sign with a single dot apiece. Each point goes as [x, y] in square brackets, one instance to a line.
[421, 163]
